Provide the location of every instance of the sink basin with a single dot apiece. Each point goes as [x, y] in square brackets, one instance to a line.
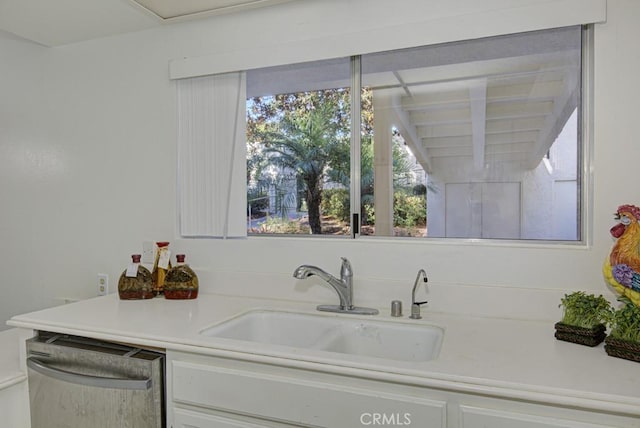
[339, 334]
[275, 327]
[393, 341]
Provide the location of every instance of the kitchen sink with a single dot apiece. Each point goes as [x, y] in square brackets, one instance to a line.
[339, 334]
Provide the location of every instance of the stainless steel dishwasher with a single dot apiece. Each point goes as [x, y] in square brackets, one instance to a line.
[76, 382]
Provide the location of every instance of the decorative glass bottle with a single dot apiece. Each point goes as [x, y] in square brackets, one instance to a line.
[135, 282]
[181, 281]
[160, 267]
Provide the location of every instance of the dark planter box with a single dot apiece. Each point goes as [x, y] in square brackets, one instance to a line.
[583, 336]
[622, 349]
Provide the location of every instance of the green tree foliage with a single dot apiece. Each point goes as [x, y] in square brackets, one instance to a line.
[409, 210]
[309, 133]
[335, 203]
[305, 132]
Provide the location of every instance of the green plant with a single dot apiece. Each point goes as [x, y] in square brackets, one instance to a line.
[625, 322]
[585, 310]
[409, 210]
[335, 203]
[368, 212]
[284, 226]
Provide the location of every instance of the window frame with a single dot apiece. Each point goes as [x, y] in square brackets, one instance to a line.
[584, 159]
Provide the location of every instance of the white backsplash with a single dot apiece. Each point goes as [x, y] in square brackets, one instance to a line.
[473, 300]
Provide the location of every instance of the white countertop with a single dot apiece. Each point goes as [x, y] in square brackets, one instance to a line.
[500, 357]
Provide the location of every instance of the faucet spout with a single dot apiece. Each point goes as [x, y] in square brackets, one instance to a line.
[342, 286]
[415, 306]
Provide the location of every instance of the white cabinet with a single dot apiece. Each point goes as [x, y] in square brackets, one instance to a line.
[14, 406]
[214, 392]
[473, 417]
[190, 419]
[290, 396]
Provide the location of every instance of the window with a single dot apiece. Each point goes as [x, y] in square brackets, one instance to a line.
[473, 139]
[298, 145]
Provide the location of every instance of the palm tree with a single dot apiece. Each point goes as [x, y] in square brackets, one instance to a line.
[308, 141]
[309, 133]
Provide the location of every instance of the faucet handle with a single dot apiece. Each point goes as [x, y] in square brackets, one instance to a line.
[345, 268]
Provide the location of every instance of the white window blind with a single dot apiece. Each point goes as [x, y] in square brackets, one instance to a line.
[211, 156]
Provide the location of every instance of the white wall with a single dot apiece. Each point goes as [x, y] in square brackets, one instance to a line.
[27, 160]
[87, 161]
[542, 203]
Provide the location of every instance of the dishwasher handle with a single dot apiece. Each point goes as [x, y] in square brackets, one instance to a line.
[87, 380]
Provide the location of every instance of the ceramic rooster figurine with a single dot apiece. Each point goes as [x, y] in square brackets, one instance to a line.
[622, 266]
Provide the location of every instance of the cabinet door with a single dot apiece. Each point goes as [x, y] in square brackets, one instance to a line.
[475, 417]
[14, 406]
[189, 419]
[297, 399]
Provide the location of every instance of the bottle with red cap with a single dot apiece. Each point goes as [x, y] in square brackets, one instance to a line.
[135, 282]
[181, 281]
[161, 266]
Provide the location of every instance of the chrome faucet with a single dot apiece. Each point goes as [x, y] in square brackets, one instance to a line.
[415, 306]
[343, 286]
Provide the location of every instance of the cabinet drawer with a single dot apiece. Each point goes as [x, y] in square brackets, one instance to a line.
[298, 400]
[475, 417]
[189, 419]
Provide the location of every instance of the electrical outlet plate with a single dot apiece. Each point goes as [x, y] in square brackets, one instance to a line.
[103, 284]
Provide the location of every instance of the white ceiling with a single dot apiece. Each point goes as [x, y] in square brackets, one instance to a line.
[173, 10]
[60, 22]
